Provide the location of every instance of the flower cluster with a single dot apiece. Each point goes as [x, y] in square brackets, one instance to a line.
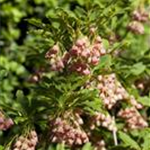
[28, 142]
[4, 122]
[110, 90]
[100, 119]
[133, 118]
[77, 119]
[81, 57]
[56, 61]
[138, 17]
[134, 103]
[141, 16]
[100, 145]
[62, 131]
[136, 27]
[85, 54]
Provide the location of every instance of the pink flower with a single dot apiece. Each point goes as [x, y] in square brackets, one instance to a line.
[95, 60]
[66, 58]
[75, 51]
[52, 52]
[136, 27]
[97, 46]
[80, 42]
[92, 30]
[98, 39]
[85, 53]
[86, 71]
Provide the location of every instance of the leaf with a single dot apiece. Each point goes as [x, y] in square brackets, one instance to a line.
[87, 146]
[119, 147]
[19, 95]
[146, 144]
[60, 146]
[23, 102]
[114, 22]
[106, 43]
[138, 68]
[1, 147]
[145, 100]
[105, 61]
[81, 2]
[129, 141]
[94, 105]
[36, 22]
[20, 119]
[3, 74]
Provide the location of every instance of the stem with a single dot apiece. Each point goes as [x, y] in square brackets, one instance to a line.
[115, 134]
[115, 138]
[8, 145]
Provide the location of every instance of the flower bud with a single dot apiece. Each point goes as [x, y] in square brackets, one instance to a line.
[86, 71]
[92, 30]
[136, 27]
[95, 60]
[98, 39]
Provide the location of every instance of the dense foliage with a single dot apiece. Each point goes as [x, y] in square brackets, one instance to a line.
[75, 74]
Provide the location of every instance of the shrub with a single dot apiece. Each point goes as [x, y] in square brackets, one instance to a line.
[80, 80]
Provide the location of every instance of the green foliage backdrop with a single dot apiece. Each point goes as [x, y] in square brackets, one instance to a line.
[75, 74]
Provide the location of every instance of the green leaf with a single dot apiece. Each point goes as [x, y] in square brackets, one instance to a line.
[106, 43]
[105, 61]
[146, 144]
[81, 2]
[138, 68]
[87, 146]
[20, 119]
[60, 146]
[23, 103]
[145, 100]
[119, 147]
[19, 95]
[36, 22]
[1, 147]
[93, 105]
[3, 73]
[129, 141]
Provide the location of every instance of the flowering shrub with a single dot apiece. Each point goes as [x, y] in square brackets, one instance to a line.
[80, 58]
[85, 80]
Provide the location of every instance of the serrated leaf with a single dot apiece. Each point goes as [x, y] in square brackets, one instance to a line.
[36, 22]
[95, 105]
[129, 141]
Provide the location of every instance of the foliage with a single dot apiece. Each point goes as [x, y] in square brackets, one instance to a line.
[61, 98]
